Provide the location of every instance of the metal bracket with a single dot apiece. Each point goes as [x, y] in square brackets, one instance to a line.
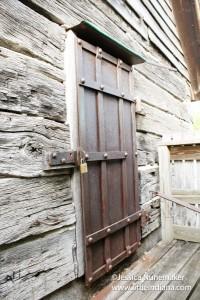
[61, 160]
[145, 218]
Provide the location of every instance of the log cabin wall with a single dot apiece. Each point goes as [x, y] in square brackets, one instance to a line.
[38, 251]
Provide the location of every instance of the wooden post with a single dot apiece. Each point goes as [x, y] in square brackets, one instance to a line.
[166, 206]
[72, 120]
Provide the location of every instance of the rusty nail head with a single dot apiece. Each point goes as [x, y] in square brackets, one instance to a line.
[101, 86]
[82, 80]
[79, 42]
[90, 239]
[63, 160]
[54, 155]
[126, 154]
[105, 155]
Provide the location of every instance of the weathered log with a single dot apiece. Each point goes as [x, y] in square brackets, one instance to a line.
[149, 181]
[33, 206]
[24, 142]
[147, 148]
[72, 12]
[36, 268]
[26, 31]
[31, 86]
[159, 122]
[159, 98]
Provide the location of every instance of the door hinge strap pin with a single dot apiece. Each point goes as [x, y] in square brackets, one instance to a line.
[90, 239]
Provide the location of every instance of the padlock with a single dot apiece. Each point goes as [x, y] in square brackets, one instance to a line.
[83, 167]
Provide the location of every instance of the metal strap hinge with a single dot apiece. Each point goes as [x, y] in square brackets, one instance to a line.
[61, 160]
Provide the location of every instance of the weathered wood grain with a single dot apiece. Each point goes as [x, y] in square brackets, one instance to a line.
[149, 180]
[25, 140]
[171, 33]
[152, 207]
[136, 23]
[167, 9]
[26, 31]
[190, 275]
[71, 12]
[159, 122]
[138, 268]
[153, 21]
[165, 188]
[186, 233]
[166, 266]
[36, 268]
[159, 98]
[196, 292]
[31, 86]
[165, 79]
[33, 206]
[166, 15]
[147, 148]
[169, 54]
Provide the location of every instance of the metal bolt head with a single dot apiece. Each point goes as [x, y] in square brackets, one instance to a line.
[83, 80]
[101, 86]
[79, 42]
[90, 279]
[54, 155]
[128, 220]
[140, 214]
[120, 61]
[108, 230]
[129, 252]
[136, 153]
[122, 94]
[110, 267]
[125, 154]
[90, 239]
[63, 160]
[105, 155]
[86, 156]
[100, 50]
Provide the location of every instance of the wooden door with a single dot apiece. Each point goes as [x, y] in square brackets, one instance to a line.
[109, 191]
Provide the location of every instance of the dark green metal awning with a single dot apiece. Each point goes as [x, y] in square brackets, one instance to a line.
[94, 35]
